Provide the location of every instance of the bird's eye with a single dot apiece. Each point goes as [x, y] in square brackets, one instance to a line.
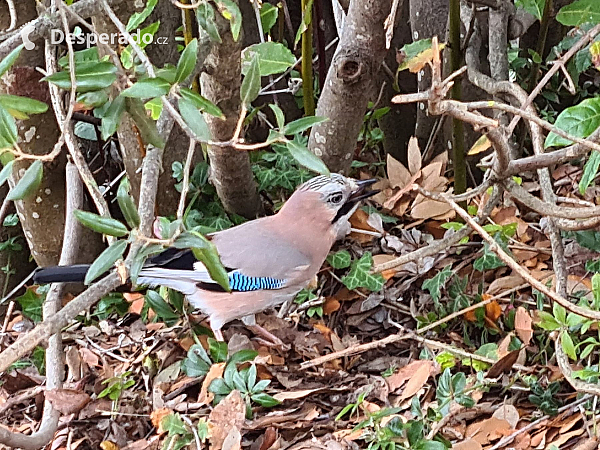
[336, 198]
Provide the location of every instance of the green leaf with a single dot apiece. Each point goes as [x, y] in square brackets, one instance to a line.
[187, 239]
[92, 99]
[205, 14]
[302, 124]
[251, 377]
[146, 126]
[187, 61]
[589, 171]
[547, 321]
[260, 386]
[127, 204]
[242, 356]
[340, 260]
[412, 50]
[80, 56]
[140, 258]
[106, 260]
[273, 58]
[265, 400]
[112, 117]
[268, 16]
[251, 82]
[533, 7]
[31, 304]
[154, 107]
[147, 88]
[197, 363]
[279, 116]
[568, 346]
[579, 121]
[173, 424]
[8, 129]
[159, 306]
[360, 275]
[306, 20]
[218, 386]
[579, 12]
[6, 172]
[589, 239]
[104, 225]
[488, 261]
[22, 104]
[201, 103]
[194, 119]
[29, 182]
[136, 19]
[231, 12]
[434, 285]
[90, 76]
[218, 350]
[206, 252]
[10, 59]
[306, 158]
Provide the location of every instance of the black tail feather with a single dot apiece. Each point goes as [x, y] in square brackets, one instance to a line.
[61, 274]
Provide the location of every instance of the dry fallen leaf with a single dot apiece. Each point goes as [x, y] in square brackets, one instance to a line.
[508, 413]
[215, 371]
[523, 327]
[429, 208]
[488, 430]
[414, 156]
[398, 175]
[67, 401]
[482, 144]
[467, 444]
[225, 422]
[409, 371]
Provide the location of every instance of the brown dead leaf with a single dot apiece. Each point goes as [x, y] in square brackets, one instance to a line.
[418, 380]
[157, 416]
[523, 325]
[359, 220]
[562, 438]
[398, 175]
[488, 430]
[294, 395]
[508, 413]
[429, 208]
[215, 371]
[383, 258]
[330, 306]
[269, 438]
[67, 401]
[323, 329]
[504, 283]
[409, 371]
[89, 357]
[587, 444]
[481, 145]
[467, 444]
[225, 422]
[492, 310]
[504, 364]
[414, 156]
[108, 445]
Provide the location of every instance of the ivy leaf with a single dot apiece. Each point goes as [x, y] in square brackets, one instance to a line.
[589, 239]
[273, 58]
[434, 285]
[31, 304]
[360, 275]
[187, 61]
[106, 260]
[339, 260]
[579, 12]
[251, 82]
[580, 121]
[29, 182]
[488, 261]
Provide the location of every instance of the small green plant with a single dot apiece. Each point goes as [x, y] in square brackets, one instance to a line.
[453, 388]
[306, 296]
[353, 408]
[370, 134]
[116, 386]
[545, 397]
[245, 381]
[180, 433]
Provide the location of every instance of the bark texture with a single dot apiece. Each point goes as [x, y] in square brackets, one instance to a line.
[231, 172]
[350, 83]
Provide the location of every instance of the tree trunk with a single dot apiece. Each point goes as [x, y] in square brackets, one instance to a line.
[350, 83]
[231, 172]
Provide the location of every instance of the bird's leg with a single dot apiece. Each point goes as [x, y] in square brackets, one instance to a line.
[218, 335]
[268, 338]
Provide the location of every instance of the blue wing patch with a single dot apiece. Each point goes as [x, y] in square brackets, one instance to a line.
[243, 283]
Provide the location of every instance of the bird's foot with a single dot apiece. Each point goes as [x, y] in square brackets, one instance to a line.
[268, 339]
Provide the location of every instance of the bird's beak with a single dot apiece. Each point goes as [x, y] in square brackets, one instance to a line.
[361, 193]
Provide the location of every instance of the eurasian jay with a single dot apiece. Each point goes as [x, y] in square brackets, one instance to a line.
[269, 260]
